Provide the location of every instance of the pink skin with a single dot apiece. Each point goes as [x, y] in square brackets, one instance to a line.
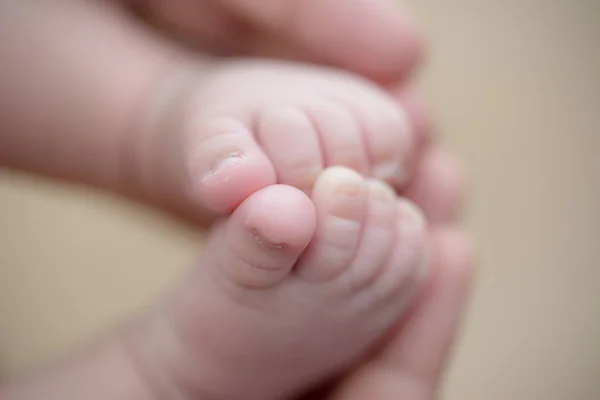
[376, 39]
[407, 366]
[105, 90]
[253, 123]
[291, 292]
[438, 186]
[411, 363]
[113, 96]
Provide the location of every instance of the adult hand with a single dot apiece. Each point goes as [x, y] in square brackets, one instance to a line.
[374, 38]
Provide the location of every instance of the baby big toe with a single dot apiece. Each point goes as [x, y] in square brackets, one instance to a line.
[225, 164]
[262, 240]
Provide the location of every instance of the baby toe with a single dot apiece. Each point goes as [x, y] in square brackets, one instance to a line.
[407, 266]
[340, 137]
[262, 240]
[289, 138]
[377, 239]
[340, 199]
[387, 135]
[225, 164]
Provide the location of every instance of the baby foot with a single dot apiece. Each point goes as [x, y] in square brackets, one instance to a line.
[257, 123]
[291, 291]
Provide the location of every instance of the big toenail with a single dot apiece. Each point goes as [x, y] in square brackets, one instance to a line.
[229, 161]
[346, 190]
[340, 182]
[346, 201]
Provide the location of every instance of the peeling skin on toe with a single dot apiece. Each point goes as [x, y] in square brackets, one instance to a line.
[263, 240]
[229, 162]
[260, 238]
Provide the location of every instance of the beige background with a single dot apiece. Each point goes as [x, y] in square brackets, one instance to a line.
[516, 87]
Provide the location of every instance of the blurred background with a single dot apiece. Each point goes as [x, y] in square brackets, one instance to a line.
[515, 86]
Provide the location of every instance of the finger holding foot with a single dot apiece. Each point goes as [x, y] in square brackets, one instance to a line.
[438, 186]
[375, 38]
[418, 114]
[378, 39]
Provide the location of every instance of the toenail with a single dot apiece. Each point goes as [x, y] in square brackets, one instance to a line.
[343, 190]
[232, 160]
[341, 182]
[346, 190]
